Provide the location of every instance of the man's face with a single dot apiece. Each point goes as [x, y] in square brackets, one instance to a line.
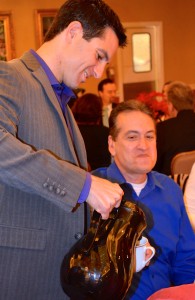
[134, 149]
[88, 58]
[108, 95]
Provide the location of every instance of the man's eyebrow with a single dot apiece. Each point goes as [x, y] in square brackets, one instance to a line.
[151, 131]
[137, 131]
[132, 131]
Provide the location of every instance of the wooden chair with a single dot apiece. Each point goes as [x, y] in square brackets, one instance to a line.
[182, 162]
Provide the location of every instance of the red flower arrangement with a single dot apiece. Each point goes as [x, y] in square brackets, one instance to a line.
[157, 103]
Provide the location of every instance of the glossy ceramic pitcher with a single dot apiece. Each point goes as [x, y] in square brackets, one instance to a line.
[100, 266]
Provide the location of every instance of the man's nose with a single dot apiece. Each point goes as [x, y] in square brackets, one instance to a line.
[98, 70]
[143, 143]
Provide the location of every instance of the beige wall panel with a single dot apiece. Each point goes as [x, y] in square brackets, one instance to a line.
[178, 29]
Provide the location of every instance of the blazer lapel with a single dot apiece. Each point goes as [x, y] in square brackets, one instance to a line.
[77, 149]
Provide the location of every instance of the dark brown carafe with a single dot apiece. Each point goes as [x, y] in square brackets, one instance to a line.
[100, 266]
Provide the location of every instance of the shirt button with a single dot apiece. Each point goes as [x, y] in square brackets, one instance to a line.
[51, 188]
[78, 235]
[58, 190]
[63, 193]
[45, 184]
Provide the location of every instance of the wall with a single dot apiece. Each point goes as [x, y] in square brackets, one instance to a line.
[178, 29]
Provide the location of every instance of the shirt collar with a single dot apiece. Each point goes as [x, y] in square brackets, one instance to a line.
[60, 88]
[114, 175]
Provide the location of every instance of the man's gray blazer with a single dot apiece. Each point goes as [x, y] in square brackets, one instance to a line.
[41, 177]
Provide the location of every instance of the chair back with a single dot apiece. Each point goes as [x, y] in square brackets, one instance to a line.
[182, 162]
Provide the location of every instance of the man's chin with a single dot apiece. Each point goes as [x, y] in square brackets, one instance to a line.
[146, 164]
[145, 169]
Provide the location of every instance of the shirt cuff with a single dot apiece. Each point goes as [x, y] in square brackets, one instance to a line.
[86, 188]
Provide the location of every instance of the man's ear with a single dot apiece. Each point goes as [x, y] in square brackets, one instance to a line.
[74, 29]
[172, 110]
[111, 145]
[100, 94]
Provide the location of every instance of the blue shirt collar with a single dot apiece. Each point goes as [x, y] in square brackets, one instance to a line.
[114, 175]
[60, 88]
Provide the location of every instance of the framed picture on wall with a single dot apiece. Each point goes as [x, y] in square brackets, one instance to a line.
[43, 19]
[7, 50]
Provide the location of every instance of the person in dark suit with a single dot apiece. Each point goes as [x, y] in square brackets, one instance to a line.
[176, 134]
[107, 91]
[87, 111]
[44, 183]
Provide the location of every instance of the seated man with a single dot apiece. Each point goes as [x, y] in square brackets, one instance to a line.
[132, 144]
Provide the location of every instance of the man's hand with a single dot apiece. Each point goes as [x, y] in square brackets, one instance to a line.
[104, 196]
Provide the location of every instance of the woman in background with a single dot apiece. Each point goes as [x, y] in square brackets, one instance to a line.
[87, 111]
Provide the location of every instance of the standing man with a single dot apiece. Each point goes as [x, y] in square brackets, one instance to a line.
[43, 178]
[107, 92]
[132, 143]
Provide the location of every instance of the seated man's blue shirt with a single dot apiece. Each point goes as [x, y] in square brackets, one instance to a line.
[168, 230]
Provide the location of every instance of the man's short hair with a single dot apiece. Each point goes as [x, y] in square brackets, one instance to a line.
[127, 106]
[94, 15]
[180, 95]
[104, 82]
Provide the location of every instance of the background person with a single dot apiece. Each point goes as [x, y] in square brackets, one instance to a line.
[87, 111]
[107, 91]
[176, 134]
[165, 86]
[43, 178]
[132, 144]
